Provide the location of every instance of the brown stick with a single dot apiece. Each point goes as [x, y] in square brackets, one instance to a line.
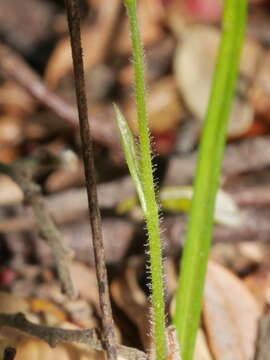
[255, 226]
[21, 174]
[73, 16]
[13, 67]
[54, 336]
[250, 154]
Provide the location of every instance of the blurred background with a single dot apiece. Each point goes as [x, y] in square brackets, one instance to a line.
[38, 124]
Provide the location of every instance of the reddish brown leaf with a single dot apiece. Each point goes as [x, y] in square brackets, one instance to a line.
[231, 315]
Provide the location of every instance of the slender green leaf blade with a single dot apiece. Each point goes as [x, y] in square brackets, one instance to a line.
[131, 154]
[199, 233]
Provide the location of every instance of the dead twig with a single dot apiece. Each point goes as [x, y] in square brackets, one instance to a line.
[256, 196]
[54, 336]
[51, 335]
[22, 175]
[248, 155]
[255, 226]
[71, 206]
[13, 67]
[73, 15]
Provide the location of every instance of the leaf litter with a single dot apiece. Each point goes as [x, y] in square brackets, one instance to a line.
[176, 34]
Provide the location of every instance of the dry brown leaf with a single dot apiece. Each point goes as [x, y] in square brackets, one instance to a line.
[10, 192]
[33, 349]
[15, 100]
[60, 62]
[11, 130]
[84, 279]
[48, 308]
[11, 303]
[95, 42]
[65, 178]
[230, 314]
[85, 282]
[194, 65]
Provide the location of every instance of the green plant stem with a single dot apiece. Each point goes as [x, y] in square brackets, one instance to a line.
[151, 212]
[199, 232]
